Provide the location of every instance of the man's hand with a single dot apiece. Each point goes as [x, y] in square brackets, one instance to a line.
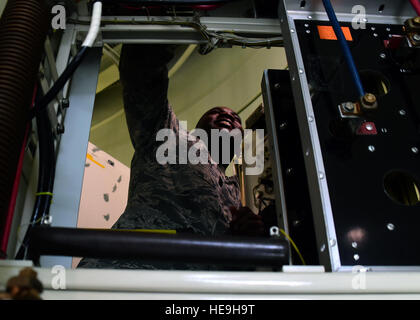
[246, 223]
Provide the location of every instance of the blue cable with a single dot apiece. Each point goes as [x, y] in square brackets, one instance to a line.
[344, 46]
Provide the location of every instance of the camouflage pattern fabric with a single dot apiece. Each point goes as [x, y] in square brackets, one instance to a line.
[172, 196]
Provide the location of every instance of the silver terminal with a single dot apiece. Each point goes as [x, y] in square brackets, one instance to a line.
[274, 231]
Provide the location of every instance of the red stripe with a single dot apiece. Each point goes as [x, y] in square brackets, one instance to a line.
[15, 190]
[416, 6]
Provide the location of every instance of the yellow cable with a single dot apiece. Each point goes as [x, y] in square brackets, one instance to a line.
[294, 245]
[44, 194]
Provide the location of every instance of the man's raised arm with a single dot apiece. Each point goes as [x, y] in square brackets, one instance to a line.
[144, 77]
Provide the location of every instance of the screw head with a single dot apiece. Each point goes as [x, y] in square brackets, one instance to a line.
[65, 103]
[382, 55]
[416, 37]
[371, 148]
[402, 112]
[369, 127]
[390, 226]
[369, 99]
[356, 257]
[415, 150]
[348, 106]
[283, 125]
[60, 128]
[354, 244]
[47, 220]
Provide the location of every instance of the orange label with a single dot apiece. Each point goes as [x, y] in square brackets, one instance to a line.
[327, 33]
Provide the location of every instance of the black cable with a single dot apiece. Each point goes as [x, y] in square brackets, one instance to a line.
[59, 84]
[46, 177]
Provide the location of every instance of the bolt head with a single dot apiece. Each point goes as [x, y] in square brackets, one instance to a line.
[369, 99]
[369, 127]
[348, 106]
[390, 226]
[60, 128]
[65, 103]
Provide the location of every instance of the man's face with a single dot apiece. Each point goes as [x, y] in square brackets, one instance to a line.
[220, 118]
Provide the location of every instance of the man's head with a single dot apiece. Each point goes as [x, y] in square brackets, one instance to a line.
[220, 118]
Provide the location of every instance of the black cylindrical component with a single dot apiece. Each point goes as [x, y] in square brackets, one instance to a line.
[59, 84]
[23, 29]
[46, 174]
[96, 243]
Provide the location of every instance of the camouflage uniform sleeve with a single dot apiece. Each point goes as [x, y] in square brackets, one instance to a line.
[144, 77]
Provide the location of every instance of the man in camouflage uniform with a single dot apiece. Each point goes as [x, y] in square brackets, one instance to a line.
[198, 198]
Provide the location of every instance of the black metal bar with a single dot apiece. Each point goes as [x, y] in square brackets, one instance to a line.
[97, 243]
